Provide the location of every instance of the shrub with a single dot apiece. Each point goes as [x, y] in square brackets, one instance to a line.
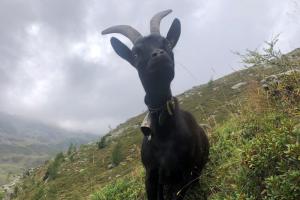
[210, 84]
[102, 143]
[71, 149]
[52, 192]
[71, 157]
[270, 154]
[116, 156]
[54, 166]
[285, 186]
[39, 194]
[59, 157]
[270, 159]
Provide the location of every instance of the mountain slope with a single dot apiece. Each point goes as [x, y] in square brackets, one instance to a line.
[239, 116]
[26, 143]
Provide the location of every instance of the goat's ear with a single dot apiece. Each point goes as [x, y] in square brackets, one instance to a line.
[122, 50]
[174, 32]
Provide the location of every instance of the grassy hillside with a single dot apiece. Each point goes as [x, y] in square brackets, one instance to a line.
[27, 143]
[254, 135]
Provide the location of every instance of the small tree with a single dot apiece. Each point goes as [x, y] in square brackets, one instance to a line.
[270, 56]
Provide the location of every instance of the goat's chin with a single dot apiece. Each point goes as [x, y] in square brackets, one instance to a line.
[159, 89]
[160, 65]
[159, 80]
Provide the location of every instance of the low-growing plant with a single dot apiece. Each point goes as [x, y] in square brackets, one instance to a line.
[129, 188]
[268, 155]
[39, 194]
[1, 195]
[284, 186]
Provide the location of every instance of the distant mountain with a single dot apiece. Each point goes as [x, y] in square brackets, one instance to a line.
[25, 143]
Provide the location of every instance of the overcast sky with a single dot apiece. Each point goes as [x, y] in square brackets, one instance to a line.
[55, 65]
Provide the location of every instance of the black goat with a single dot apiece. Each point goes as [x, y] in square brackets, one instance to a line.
[175, 149]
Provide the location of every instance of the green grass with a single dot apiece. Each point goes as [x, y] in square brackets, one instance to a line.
[128, 187]
[1, 194]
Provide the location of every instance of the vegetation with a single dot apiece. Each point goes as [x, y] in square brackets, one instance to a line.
[116, 156]
[254, 137]
[54, 166]
[71, 149]
[101, 144]
[130, 187]
[255, 153]
[1, 194]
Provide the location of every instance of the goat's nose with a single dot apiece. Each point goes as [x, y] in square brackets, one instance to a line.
[157, 52]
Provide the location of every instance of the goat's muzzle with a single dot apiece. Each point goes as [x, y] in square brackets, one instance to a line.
[160, 61]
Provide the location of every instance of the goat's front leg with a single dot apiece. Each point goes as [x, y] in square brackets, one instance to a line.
[153, 188]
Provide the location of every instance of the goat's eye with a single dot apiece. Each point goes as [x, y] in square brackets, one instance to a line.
[135, 55]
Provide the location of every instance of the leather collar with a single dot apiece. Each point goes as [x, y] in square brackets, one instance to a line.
[162, 112]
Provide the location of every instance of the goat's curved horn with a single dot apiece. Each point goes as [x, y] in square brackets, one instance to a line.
[155, 21]
[125, 30]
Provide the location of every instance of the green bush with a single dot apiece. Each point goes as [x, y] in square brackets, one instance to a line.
[102, 143]
[125, 188]
[71, 157]
[116, 156]
[285, 186]
[59, 157]
[210, 84]
[39, 194]
[71, 149]
[54, 166]
[270, 154]
[52, 171]
[52, 192]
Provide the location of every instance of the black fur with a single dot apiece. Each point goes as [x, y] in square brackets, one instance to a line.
[178, 148]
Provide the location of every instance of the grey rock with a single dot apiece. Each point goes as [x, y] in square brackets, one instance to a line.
[238, 85]
[110, 166]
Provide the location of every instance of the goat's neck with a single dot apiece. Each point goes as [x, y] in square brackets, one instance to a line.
[161, 120]
[156, 100]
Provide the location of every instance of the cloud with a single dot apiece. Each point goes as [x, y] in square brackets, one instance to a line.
[56, 67]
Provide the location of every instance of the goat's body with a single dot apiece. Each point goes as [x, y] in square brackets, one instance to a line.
[175, 155]
[177, 149]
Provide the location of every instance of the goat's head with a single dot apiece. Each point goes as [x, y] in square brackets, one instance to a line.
[151, 55]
